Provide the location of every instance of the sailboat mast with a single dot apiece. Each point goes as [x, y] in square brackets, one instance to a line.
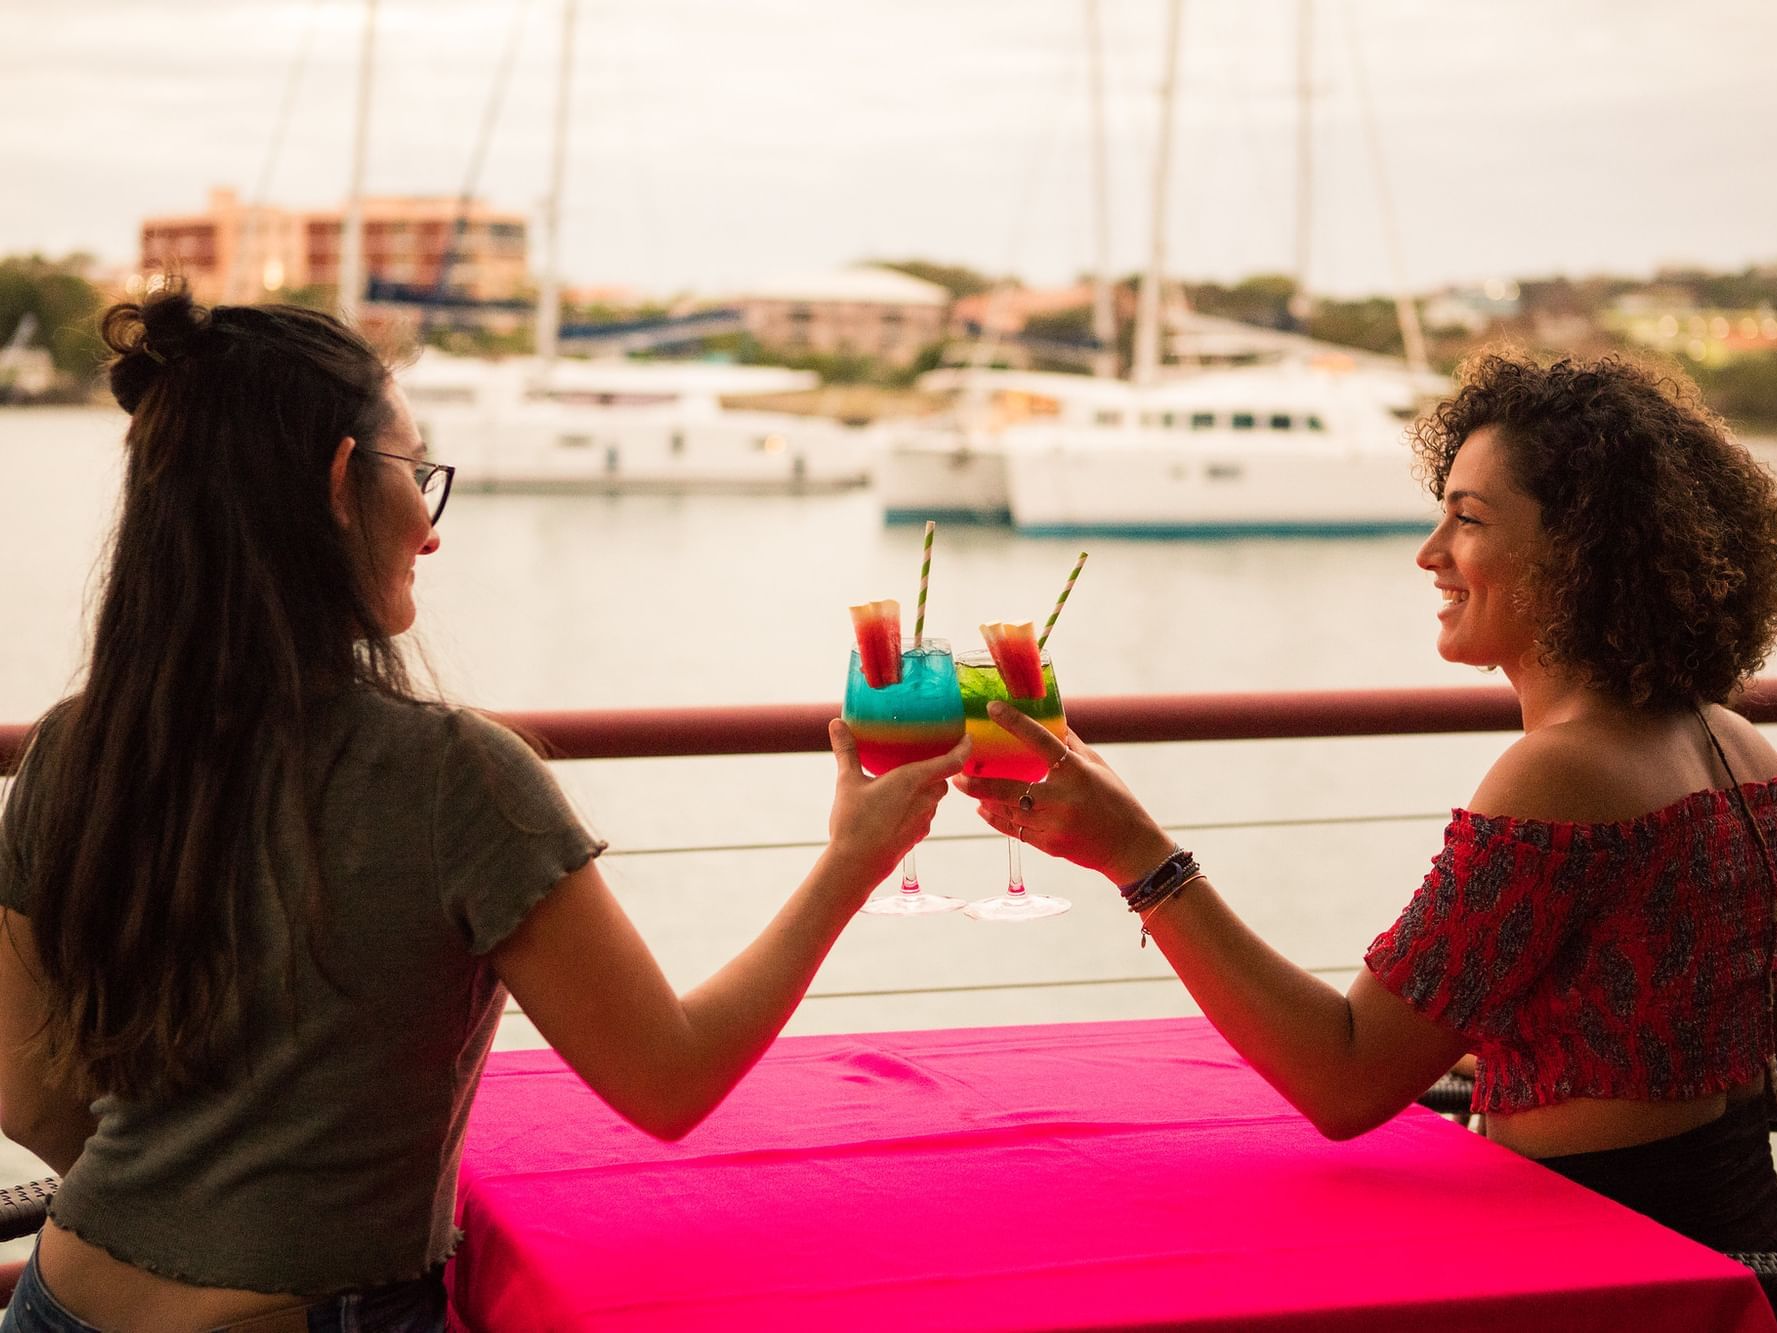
[1301, 303]
[351, 238]
[1104, 317]
[1147, 315]
[1406, 309]
[548, 333]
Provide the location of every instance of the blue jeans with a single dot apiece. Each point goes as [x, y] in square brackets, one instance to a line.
[400, 1307]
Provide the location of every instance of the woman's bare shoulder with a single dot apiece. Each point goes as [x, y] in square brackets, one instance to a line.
[1556, 773]
[1753, 757]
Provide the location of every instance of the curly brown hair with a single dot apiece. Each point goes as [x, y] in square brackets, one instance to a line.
[1660, 582]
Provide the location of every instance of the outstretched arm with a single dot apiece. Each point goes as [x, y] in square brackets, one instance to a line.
[1348, 1062]
[587, 980]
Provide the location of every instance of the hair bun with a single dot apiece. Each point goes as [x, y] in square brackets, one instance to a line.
[147, 337]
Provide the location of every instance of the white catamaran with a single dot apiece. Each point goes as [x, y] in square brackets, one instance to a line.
[1283, 435]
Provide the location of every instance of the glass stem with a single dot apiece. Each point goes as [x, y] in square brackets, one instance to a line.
[1014, 870]
[909, 875]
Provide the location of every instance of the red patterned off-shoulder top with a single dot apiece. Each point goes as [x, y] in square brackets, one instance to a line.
[1596, 960]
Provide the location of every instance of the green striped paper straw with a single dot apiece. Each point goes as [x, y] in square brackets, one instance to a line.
[925, 576]
[1061, 601]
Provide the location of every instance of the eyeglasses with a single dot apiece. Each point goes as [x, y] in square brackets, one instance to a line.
[433, 479]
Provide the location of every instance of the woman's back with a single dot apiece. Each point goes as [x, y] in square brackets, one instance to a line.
[341, 1110]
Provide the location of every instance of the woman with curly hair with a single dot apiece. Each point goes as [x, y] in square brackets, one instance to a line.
[1599, 925]
[261, 905]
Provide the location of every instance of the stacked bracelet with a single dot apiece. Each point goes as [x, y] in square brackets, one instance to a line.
[1152, 890]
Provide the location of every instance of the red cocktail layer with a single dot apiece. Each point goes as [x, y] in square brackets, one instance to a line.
[995, 753]
[885, 746]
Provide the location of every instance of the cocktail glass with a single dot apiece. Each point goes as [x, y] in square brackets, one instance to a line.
[918, 717]
[995, 753]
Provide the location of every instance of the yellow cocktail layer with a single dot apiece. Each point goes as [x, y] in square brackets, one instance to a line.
[883, 746]
[995, 752]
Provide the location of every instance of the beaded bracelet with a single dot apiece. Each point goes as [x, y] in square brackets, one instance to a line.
[1178, 888]
[1160, 881]
[1153, 890]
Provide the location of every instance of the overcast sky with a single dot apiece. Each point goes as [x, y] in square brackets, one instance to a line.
[715, 143]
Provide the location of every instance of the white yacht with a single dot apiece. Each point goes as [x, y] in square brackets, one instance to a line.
[953, 467]
[524, 424]
[1291, 448]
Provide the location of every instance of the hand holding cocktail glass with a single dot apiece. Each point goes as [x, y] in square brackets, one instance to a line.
[1081, 811]
[876, 821]
[902, 705]
[910, 701]
[1015, 677]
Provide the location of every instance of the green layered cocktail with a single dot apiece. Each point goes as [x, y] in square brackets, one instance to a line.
[993, 751]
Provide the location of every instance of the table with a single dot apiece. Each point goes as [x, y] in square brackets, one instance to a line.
[1093, 1175]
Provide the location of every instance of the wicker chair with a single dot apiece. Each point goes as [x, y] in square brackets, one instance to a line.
[24, 1207]
[1450, 1096]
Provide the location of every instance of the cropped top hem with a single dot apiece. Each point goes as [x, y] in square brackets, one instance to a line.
[175, 1273]
[1713, 1086]
[1623, 960]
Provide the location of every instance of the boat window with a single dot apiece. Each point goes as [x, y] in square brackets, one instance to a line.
[1203, 421]
[1243, 421]
[610, 458]
[1224, 472]
[1281, 421]
[574, 441]
[1107, 417]
[1314, 423]
[678, 442]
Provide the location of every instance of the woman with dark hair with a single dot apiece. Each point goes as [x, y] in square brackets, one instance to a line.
[260, 905]
[1598, 927]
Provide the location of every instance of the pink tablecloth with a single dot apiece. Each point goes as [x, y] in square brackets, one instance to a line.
[1098, 1175]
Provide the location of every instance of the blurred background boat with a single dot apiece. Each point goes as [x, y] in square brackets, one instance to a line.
[523, 424]
[953, 465]
[1298, 448]
[1221, 429]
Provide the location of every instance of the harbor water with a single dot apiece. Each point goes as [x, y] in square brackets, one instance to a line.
[564, 601]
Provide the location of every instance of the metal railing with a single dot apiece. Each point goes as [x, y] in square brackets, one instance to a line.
[642, 733]
[637, 733]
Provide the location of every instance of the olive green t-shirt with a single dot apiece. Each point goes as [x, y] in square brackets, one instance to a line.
[328, 1158]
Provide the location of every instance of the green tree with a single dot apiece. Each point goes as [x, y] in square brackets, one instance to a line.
[1369, 324]
[1062, 326]
[931, 356]
[1263, 300]
[1744, 391]
[960, 280]
[63, 303]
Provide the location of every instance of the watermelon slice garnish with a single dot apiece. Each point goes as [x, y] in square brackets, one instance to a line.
[1015, 653]
[878, 627]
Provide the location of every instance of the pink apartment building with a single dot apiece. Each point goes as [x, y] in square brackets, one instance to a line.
[238, 252]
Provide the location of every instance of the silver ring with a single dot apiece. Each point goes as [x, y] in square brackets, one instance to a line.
[1026, 801]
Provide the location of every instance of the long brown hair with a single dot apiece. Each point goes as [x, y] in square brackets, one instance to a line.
[230, 608]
